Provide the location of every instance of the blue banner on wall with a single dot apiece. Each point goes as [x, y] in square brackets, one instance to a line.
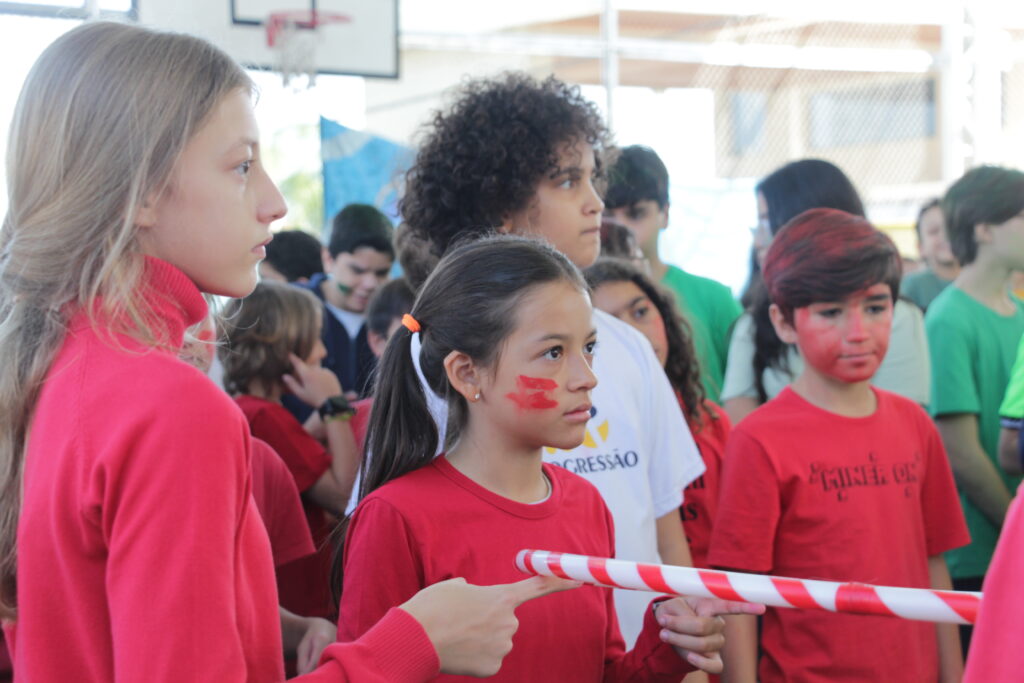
[360, 168]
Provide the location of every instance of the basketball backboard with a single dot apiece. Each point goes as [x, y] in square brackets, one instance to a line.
[365, 45]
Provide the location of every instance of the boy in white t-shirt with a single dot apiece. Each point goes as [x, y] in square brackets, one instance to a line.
[521, 156]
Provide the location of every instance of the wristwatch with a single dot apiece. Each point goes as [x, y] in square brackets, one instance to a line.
[336, 408]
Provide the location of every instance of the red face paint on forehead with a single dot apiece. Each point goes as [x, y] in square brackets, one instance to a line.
[531, 394]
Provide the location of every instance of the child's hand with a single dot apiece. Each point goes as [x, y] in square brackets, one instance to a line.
[311, 384]
[694, 628]
[471, 627]
[319, 634]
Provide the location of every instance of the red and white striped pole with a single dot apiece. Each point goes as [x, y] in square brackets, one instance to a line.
[955, 607]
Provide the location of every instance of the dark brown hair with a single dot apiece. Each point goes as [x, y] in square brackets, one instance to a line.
[827, 255]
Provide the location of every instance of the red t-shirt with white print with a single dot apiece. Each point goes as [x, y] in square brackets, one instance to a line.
[810, 494]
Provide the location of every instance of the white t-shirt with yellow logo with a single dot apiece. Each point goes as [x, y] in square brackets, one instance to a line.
[638, 451]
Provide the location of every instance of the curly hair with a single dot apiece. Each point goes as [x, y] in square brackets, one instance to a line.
[681, 365]
[482, 159]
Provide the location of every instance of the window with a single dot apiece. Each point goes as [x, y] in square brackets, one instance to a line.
[883, 113]
[748, 116]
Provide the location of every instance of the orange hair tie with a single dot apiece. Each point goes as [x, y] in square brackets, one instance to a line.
[410, 323]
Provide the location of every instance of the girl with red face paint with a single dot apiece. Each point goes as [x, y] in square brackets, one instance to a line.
[621, 290]
[507, 337]
[835, 479]
[130, 545]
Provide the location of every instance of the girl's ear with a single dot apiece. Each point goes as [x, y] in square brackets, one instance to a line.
[145, 214]
[506, 227]
[463, 375]
[982, 233]
[783, 328]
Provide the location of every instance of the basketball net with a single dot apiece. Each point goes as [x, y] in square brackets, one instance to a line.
[293, 36]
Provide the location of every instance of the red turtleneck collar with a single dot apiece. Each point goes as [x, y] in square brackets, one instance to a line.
[174, 304]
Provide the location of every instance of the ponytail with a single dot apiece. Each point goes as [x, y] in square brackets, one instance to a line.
[468, 304]
[401, 424]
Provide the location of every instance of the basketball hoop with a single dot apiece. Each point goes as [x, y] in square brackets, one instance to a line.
[293, 36]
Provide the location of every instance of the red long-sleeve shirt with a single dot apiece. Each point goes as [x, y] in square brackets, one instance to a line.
[141, 555]
[435, 524]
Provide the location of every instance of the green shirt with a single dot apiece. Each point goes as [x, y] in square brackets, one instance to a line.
[922, 287]
[1013, 401]
[973, 349]
[711, 310]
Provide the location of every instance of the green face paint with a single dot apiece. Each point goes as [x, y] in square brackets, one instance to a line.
[344, 289]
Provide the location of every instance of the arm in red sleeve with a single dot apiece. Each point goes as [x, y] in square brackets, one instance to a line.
[306, 458]
[995, 646]
[171, 504]
[382, 568]
[749, 508]
[650, 659]
[395, 650]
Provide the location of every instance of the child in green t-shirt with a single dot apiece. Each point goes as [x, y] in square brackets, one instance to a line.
[974, 327]
[637, 197]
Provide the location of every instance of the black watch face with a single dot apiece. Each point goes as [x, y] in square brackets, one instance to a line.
[335, 405]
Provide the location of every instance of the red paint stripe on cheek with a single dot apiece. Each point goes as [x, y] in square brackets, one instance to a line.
[531, 394]
[542, 383]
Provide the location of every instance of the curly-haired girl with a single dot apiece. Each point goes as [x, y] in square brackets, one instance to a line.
[521, 156]
[620, 289]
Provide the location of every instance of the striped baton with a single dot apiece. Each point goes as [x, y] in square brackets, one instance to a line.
[922, 604]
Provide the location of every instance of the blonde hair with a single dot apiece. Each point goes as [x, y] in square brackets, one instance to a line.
[258, 333]
[101, 120]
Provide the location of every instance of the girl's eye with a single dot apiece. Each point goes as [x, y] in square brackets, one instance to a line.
[554, 353]
[636, 214]
[243, 168]
[878, 309]
[640, 312]
[570, 182]
[590, 347]
[830, 312]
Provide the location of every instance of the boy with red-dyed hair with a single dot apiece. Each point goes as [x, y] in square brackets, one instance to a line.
[835, 479]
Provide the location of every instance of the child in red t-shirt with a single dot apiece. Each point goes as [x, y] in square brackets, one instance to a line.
[835, 479]
[271, 345]
[620, 289]
[507, 337]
